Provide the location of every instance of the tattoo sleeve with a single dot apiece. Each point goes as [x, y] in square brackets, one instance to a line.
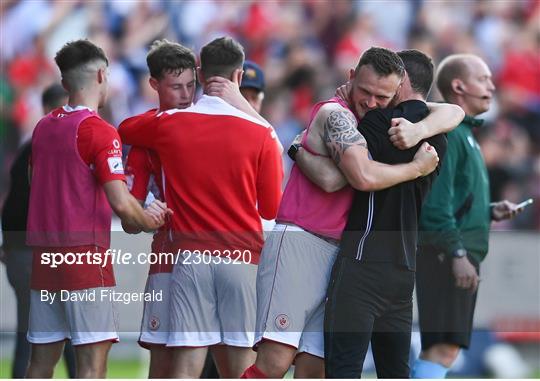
[340, 133]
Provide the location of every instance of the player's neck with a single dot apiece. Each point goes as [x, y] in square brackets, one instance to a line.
[82, 99]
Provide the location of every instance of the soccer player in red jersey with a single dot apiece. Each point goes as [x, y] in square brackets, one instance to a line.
[172, 75]
[223, 173]
[76, 177]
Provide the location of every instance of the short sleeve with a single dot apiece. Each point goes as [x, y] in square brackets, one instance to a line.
[100, 147]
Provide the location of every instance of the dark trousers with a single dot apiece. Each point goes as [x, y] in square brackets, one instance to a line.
[368, 302]
[19, 272]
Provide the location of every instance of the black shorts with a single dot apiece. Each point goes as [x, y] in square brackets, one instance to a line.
[445, 311]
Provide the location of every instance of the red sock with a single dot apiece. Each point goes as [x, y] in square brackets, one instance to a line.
[253, 372]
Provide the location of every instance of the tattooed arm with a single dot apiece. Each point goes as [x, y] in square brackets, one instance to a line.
[348, 149]
[321, 170]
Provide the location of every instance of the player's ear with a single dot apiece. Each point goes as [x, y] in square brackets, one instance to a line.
[351, 74]
[398, 92]
[200, 76]
[101, 75]
[237, 76]
[153, 83]
[65, 84]
[457, 86]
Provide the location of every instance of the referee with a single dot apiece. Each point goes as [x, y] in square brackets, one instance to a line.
[455, 223]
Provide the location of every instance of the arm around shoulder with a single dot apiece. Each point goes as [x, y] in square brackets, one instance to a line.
[349, 150]
[443, 118]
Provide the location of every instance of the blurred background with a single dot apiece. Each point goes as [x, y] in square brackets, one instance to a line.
[305, 49]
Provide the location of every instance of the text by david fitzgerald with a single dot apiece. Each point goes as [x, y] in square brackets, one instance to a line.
[100, 295]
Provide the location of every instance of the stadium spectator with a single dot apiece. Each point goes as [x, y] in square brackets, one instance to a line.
[320, 47]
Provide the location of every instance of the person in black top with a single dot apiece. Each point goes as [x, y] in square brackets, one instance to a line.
[18, 258]
[370, 291]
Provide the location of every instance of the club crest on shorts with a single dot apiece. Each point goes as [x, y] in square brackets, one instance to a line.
[153, 323]
[282, 322]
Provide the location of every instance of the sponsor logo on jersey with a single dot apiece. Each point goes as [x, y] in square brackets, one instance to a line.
[116, 144]
[282, 322]
[115, 165]
[154, 323]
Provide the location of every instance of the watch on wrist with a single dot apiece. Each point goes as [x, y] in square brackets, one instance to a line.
[459, 253]
[293, 150]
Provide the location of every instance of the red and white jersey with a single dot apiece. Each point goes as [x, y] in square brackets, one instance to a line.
[144, 174]
[223, 172]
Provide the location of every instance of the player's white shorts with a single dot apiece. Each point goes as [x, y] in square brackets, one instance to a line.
[292, 281]
[83, 321]
[155, 321]
[212, 303]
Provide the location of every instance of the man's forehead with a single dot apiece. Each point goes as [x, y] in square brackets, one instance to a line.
[369, 79]
[179, 76]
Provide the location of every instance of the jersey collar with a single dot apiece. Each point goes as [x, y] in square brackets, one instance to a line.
[68, 108]
[472, 121]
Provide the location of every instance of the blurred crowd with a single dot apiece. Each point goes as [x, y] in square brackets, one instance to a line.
[305, 48]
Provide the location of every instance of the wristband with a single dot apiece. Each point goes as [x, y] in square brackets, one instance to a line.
[293, 150]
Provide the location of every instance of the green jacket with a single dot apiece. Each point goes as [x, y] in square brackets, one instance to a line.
[456, 213]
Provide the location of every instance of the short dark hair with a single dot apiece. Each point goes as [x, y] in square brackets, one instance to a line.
[419, 68]
[77, 53]
[452, 67]
[221, 57]
[169, 57]
[385, 62]
[53, 96]
[73, 60]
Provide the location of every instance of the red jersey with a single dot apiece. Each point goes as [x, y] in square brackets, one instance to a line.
[100, 148]
[144, 174]
[223, 173]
